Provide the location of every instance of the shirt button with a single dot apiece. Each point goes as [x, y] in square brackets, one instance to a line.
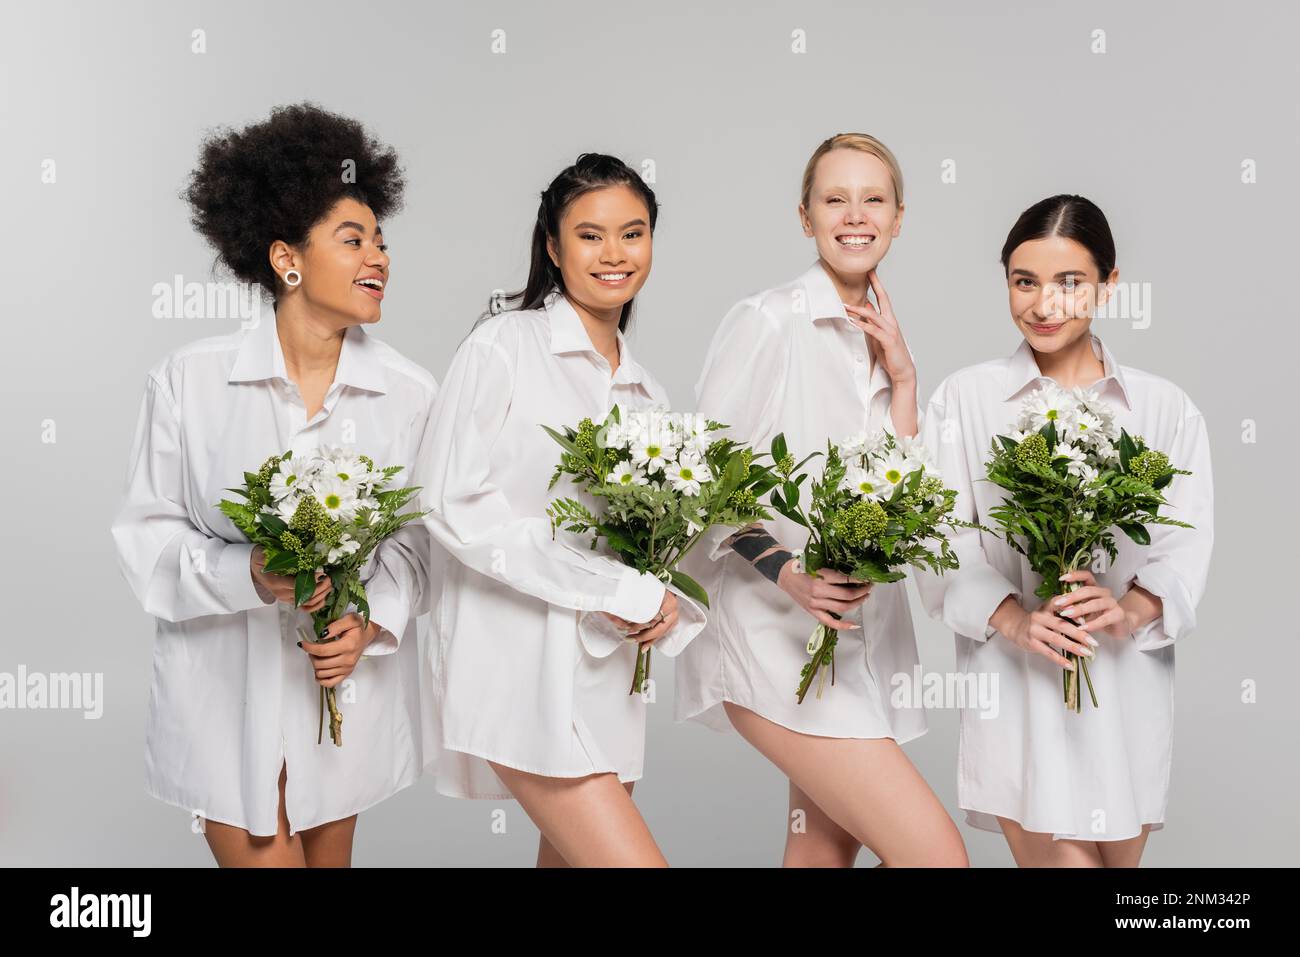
[859, 357]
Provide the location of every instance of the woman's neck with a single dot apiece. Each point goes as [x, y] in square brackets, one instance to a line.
[851, 289]
[1075, 365]
[311, 348]
[602, 330]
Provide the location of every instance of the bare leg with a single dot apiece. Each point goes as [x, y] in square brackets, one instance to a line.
[329, 844]
[867, 786]
[813, 839]
[548, 856]
[235, 847]
[1124, 853]
[589, 821]
[1037, 849]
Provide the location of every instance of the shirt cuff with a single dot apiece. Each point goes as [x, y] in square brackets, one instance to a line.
[638, 596]
[235, 577]
[601, 637]
[973, 598]
[387, 611]
[1177, 616]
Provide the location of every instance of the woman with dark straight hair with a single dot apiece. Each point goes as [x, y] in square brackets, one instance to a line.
[539, 633]
[1068, 789]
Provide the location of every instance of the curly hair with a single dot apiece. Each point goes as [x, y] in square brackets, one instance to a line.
[278, 178]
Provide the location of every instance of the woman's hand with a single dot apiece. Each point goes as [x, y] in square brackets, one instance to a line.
[828, 591]
[648, 632]
[334, 660]
[280, 587]
[884, 337]
[1042, 632]
[1094, 606]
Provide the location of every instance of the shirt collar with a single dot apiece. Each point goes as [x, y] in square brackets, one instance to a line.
[1022, 370]
[260, 357]
[568, 334]
[823, 299]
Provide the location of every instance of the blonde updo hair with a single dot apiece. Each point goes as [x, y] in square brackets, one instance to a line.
[854, 141]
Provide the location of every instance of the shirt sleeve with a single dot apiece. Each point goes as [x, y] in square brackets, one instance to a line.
[408, 564]
[176, 571]
[1178, 559]
[741, 386]
[964, 598]
[471, 513]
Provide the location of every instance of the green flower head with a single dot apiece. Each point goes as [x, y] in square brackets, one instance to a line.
[586, 438]
[1033, 450]
[742, 500]
[1148, 466]
[862, 521]
[786, 465]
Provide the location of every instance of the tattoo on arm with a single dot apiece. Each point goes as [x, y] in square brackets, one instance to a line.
[761, 550]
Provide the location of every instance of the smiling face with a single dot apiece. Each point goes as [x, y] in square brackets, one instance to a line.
[603, 249]
[852, 211]
[344, 266]
[1054, 289]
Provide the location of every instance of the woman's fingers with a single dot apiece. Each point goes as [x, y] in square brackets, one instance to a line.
[839, 624]
[1071, 640]
[882, 297]
[1047, 652]
[1079, 575]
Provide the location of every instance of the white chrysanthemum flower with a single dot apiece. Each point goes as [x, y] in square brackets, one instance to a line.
[913, 448]
[1086, 426]
[297, 470]
[338, 498]
[687, 474]
[865, 484]
[694, 434]
[286, 506]
[347, 545]
[626, 474]
[346, 467]
[1048, 404]
[1087, 475]
[1075, 457]
[896, 466]
[651, 453]
[693, 527]
[853, 448]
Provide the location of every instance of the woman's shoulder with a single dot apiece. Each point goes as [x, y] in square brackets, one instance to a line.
[969, 382]
[1151, 391]
[210, 357]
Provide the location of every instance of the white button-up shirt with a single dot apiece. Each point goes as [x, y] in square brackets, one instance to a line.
[1103, 773]
[788, 360]
[233, 697]
[528, 674]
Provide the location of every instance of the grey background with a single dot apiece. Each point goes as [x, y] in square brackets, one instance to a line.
[1154, 130]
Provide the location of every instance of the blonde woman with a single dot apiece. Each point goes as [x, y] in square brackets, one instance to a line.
[817, 360]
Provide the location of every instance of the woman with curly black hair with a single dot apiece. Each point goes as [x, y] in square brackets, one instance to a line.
[293, 204]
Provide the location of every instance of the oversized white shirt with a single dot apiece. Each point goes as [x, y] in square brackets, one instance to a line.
[788, 360]
[1102, 773]
[528, 673]
[233, 697]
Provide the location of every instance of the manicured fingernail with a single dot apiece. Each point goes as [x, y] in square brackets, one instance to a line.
[1091, 640]
[1063, 578]
[1087, 652]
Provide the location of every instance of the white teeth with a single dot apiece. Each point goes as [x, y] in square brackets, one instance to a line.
[612, 276]
[373, 283]
[855, 240]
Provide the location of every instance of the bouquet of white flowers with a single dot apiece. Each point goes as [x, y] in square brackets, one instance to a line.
[879, 504]
[1072, 478]
[664, 480]
[326, 510]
